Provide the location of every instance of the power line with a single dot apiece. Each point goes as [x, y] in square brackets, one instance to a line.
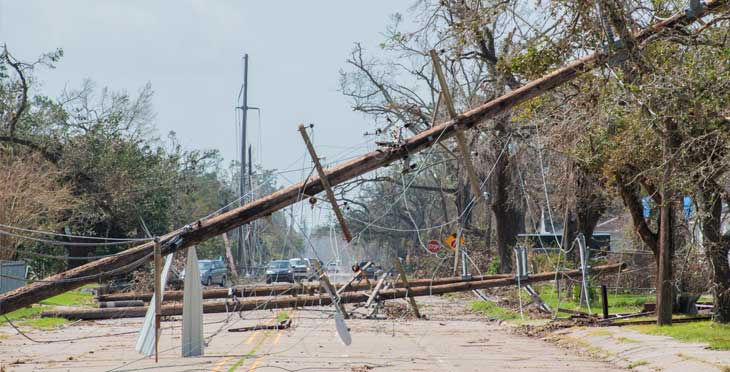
[70, 235]
[80, 278]
[60, 243]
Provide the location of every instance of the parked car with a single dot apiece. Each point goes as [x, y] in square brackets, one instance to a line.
[371, 271]
[211, 271]
[279, 271]
[301, 269]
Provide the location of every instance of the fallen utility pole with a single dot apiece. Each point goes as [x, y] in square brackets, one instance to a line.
[330, 289]
[205, 229]
[280, 302]
[358, 273]
[407, 286]
[285, 289]
[129, 303]
[376, 291]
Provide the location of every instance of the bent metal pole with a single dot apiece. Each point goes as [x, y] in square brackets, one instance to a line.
[214, 226]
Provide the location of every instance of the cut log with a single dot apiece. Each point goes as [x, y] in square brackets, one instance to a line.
[284, 289]
[322, 299]
[202, 230]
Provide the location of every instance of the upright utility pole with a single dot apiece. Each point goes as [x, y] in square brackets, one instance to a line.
[242, 259]
[252, 231]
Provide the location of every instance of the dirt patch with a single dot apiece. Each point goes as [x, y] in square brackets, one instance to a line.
[543, 330]
[397, 310]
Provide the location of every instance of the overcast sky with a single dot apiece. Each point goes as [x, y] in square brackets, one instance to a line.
[191, 52]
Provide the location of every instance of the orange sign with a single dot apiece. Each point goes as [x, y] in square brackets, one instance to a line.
[451, 241]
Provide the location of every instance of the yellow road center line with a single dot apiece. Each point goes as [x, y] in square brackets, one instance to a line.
[256, 363]
[251, 338]
[220, 364]
[249, 341]
[278, 336]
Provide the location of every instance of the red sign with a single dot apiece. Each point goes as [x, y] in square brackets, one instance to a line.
[433, 246]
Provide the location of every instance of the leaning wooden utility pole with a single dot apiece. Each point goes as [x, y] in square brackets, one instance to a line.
[205, 229]
[463, 150]
[460, 139]
[325, 282]
[407, 286]
[325, 183]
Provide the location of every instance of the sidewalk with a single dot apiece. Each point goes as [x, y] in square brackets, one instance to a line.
[641, 352]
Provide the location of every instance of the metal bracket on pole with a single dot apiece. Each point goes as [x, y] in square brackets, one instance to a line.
[585, 268]
[325, 183]
[541, 305]
[521, 264]
[404, 279]
[460, 140]
[465, 275]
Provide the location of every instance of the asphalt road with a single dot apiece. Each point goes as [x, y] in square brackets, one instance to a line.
[451, 340]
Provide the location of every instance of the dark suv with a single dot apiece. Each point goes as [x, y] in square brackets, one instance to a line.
[279, 271]
[211, 271]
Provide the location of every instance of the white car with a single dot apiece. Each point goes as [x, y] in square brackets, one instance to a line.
[333, 267]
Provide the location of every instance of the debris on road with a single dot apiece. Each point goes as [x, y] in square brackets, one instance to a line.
[284, 324]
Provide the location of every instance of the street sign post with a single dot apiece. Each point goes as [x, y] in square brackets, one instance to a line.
[433, 246]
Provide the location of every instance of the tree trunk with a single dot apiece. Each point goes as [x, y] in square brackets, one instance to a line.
[569, 229]
[586, 218]
[664, 297]
[590, 204]
[488, 230]
[507, 217]
[229, 256]
[717, 247]
[721, 280]
[76, 251]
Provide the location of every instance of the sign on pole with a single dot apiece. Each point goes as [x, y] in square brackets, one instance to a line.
[433, 246]
[451, 241]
